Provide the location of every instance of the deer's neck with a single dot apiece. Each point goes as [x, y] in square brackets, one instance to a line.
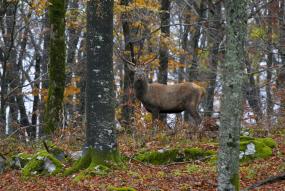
[141, 88]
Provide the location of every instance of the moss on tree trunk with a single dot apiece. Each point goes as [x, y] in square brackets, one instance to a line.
[56, 65]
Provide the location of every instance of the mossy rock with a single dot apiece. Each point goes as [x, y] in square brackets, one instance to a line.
[197, 153]
[173, 155]
[253, 148]
[42, 163]
[111, 188]
[18, 161]
[56, 151]
[267, 141]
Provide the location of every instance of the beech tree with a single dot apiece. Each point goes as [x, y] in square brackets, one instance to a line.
[100, 97]
[231, 103]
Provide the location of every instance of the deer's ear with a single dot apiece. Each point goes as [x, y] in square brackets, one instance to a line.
[131, 67]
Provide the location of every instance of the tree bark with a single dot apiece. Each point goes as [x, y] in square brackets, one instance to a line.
[215, 36]
[56, 69]
[128, 93]
[163, 48]
[100, 110]
[231, 103]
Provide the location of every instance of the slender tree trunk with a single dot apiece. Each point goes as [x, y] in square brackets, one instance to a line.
[82, 74]
[269, 101]
[36, 96]
[163, 48]
[281, 73]
[44, 72]
[9, 63]
[215, 36]
[183, 58]
[252, 92]
[24, 120]
[128, 93]
[73, 39]
[231, 103]
[53, 110]
[193, 71]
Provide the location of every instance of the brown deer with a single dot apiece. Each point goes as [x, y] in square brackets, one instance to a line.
[160, 98]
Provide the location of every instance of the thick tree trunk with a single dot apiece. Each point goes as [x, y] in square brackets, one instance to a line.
[100, 103]
[231, 103]
[56, 69]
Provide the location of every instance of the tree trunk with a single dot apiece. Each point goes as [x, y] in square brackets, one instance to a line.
[252, 92]
[193, 71]
[100, 97]
[36, 96]
[73, 39]
[44, 71]
[100, 110]
[232, 99]
[269, 102]
[9, 63]
[215, 36]
[128, 93]
[56, 69]
[163, 49]
[281, 73]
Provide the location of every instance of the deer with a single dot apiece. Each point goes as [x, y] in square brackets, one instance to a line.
[161, 98]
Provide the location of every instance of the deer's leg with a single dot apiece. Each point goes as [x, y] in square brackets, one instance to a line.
[193, 111]
[155, 118]
[196, 116]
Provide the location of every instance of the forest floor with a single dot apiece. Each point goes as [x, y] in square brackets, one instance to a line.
[194, 175]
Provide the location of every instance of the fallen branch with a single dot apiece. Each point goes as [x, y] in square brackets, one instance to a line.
[269, 180]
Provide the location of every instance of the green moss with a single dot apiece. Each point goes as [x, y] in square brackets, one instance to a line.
[55, 150]
[173, 155]
[111, 188]
[36, 164]
[20, 160]
[262, 150]
[235, 181]
[92, 171]
[246, 138]
[95, 163]
[197, 153]
[268, 142]
[163, 157]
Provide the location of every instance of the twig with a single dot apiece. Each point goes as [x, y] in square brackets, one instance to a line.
[268, 180]
[191, 161]
[46, 146]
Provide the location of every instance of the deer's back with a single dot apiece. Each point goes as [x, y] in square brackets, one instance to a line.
[171, 98]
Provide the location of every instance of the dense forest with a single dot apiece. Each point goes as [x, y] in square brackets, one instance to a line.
[142, 95]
